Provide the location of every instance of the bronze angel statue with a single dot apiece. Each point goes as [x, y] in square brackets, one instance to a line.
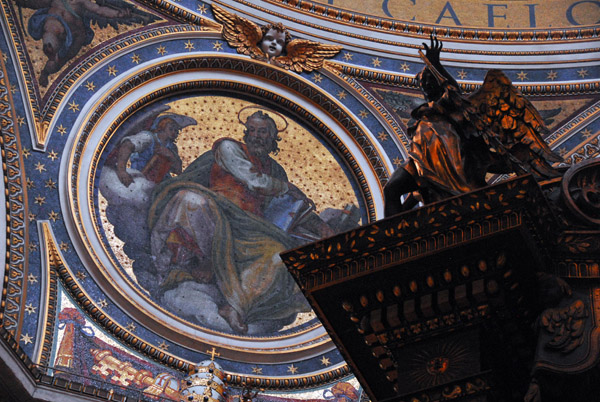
[272, 43]
[457, 140]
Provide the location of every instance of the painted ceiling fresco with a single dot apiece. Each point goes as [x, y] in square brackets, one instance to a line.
[155, 166]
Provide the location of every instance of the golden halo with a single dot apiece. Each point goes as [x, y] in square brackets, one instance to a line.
[279, 120]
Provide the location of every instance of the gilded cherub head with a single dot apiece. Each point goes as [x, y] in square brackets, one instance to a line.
[274, 40]
[272, 43]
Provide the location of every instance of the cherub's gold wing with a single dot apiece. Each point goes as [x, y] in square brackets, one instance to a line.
[305, 55]
[516, 123]
[240, 33]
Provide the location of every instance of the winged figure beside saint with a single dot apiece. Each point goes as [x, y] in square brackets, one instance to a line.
[458, 139]
[273, 43]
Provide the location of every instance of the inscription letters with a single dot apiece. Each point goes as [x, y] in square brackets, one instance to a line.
[512, 14]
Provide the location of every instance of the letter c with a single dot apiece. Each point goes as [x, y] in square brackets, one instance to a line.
[572, 6]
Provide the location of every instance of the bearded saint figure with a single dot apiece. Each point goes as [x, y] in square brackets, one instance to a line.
[215, 240]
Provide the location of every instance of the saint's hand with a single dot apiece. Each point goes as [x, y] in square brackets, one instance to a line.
[299, 195]
[124, 178]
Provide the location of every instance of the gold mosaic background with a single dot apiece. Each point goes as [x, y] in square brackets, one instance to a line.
[308, 164]
[513, 14]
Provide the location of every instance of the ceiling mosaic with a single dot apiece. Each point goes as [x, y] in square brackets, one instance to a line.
[512, 14]
[156, 164]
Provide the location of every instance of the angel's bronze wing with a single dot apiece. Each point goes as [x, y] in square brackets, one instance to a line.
[515, 122]
[240, 33]
[305, 55]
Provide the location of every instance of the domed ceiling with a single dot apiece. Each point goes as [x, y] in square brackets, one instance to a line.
[145, 218]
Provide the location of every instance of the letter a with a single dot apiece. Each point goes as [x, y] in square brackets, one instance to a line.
[448, 8]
